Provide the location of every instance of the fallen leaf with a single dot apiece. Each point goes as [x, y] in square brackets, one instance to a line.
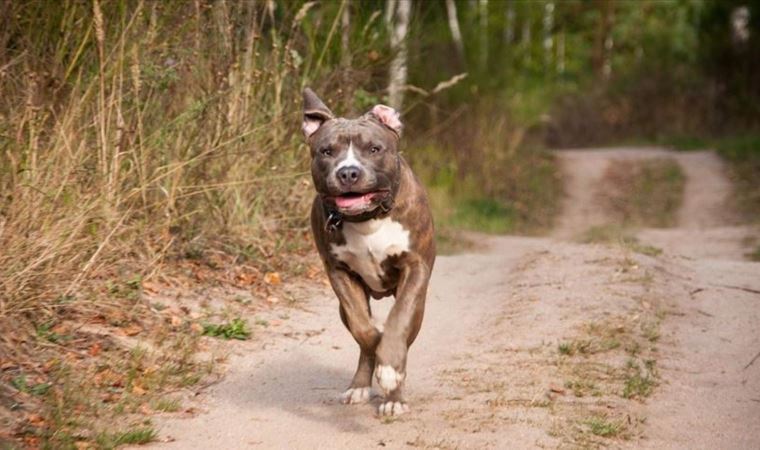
[272, 300]
[36, 420]
[313, 272]
[132, 330]
[149, 286]
[272, 278]
[246, 278]
[95, 349]
[137, 390]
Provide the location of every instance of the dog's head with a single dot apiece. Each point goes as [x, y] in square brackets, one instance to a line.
[354, 162]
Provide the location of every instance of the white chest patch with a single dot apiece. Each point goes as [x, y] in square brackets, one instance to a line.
[368, 244]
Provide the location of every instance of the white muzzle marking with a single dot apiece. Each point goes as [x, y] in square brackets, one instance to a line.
[350, 160]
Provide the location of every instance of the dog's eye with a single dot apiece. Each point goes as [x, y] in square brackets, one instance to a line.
[375, 149]
[327, 151]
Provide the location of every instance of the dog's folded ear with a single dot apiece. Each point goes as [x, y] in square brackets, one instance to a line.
[315, 113]
[388, 117]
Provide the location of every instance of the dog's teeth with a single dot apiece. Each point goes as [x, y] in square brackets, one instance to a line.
[388, 378]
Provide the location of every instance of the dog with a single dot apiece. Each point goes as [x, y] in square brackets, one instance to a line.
[374, 232]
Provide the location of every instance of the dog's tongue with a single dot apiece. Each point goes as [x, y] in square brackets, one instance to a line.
[352, 201]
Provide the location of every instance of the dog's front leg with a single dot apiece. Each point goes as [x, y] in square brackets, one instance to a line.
[401, 328]
[355, 314]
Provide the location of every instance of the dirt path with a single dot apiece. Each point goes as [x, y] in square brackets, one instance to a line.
[489, 369]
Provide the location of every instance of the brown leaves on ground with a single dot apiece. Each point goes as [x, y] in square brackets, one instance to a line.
[272, 278]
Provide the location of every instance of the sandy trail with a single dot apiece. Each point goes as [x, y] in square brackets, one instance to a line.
[486, 358]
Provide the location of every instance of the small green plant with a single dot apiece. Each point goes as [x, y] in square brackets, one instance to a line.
[167, 405]
[651, 330]
[616, 234]
[754, 255]
[235, 329]
[566, 348]
[582, 387]
[639, 383]
[136, 436]
[21, 384]
[601, 426]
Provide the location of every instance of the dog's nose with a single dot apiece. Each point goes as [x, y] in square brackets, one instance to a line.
[348, 175]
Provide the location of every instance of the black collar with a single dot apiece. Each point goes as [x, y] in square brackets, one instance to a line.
[335, 219]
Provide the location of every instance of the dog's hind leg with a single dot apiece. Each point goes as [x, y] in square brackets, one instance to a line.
[356, 316]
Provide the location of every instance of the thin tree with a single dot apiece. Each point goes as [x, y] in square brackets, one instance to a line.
[456, 33]
[483, 24]
[398, 68]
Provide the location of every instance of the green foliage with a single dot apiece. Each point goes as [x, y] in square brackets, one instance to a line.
[601, 426]
[21, 384]
[743, 153]
[616, 234]
[234, 329]
[136, 436]
[639, 383]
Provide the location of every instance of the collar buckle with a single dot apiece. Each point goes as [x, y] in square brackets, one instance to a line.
[334, 221]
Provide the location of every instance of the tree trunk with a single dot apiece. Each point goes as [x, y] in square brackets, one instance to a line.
[561, 53]
[509, 29]
[456, 33]
[548, 36]
[398, 69]
[525, 37]
[345, 37]
[483, 32]
[602, 59]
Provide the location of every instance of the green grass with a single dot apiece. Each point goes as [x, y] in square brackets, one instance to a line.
[582, 387]
[21, 384]
[136, 436]
[482, 214]
[503, 185]
[754, 255]
[617, 234]
[588, 346]
[167, 405]
[234, 329]
[603, 427]
[566, 348]
[638, 382]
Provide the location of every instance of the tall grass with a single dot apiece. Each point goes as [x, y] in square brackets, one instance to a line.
[128, 127]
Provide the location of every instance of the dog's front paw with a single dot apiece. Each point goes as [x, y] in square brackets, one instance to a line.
[388, 378]
[353, 396]
[392, 408]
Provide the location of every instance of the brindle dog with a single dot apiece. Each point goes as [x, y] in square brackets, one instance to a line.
[374, 232]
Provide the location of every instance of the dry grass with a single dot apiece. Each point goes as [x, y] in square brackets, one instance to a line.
[484, 174]
[135, 134]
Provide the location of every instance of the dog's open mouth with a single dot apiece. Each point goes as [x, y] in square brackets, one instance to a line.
[356, 201]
